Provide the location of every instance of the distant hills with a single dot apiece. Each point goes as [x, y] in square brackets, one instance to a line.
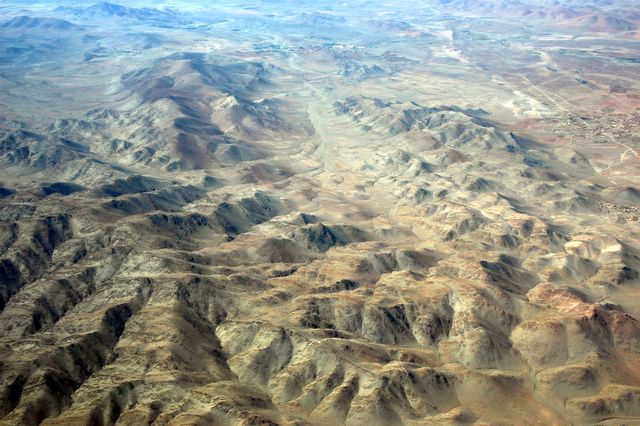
[598, 16]
[22, 23]
[102, 10]
[112, 10]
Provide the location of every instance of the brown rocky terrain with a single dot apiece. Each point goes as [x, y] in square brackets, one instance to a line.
[319, 215]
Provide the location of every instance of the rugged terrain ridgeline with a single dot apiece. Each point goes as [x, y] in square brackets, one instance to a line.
[297, 213]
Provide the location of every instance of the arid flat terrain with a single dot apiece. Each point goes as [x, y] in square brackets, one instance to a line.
[320, 213]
